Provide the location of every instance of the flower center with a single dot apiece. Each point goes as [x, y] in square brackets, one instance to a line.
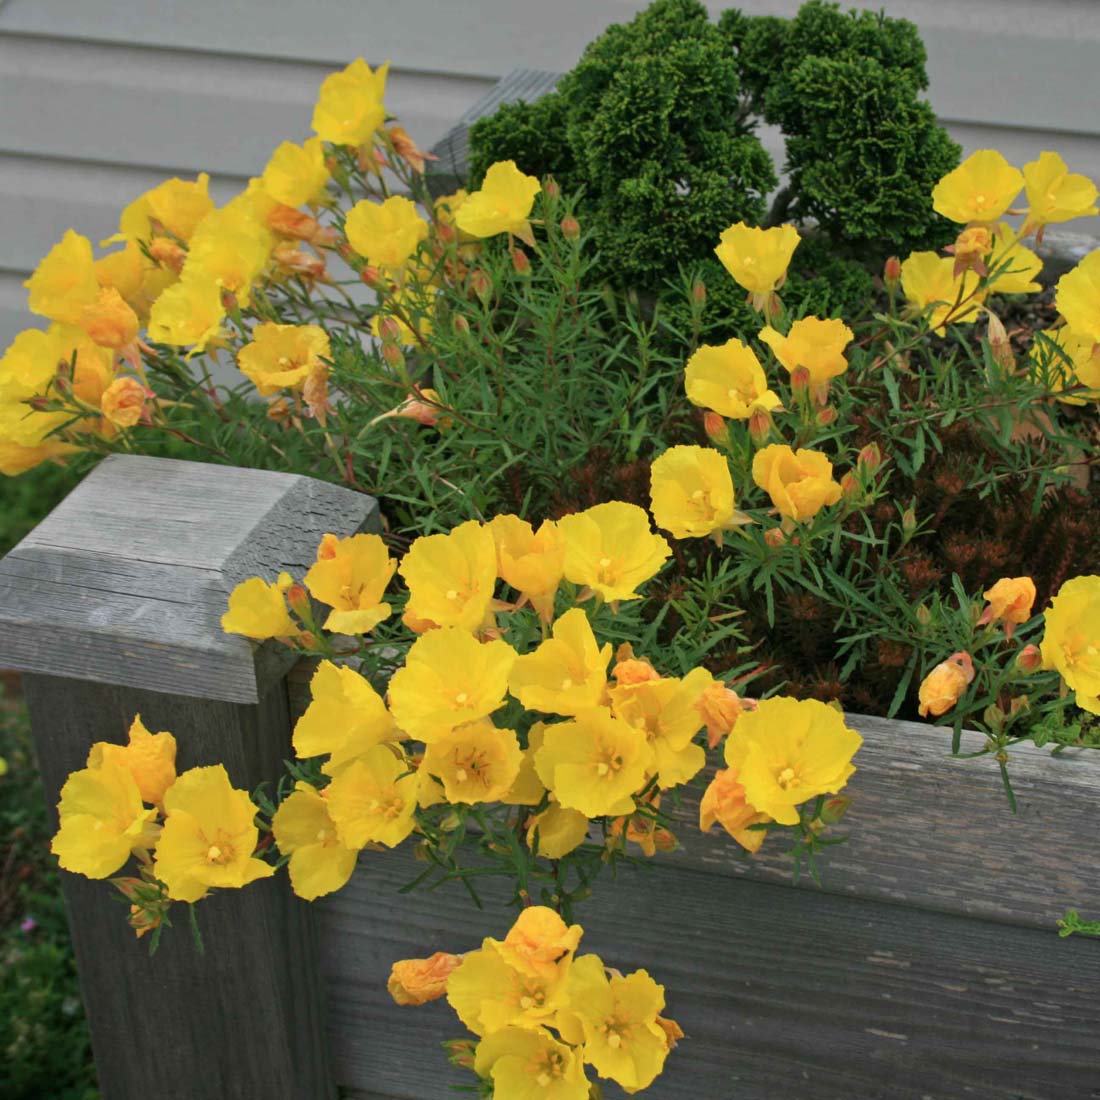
[787, 779]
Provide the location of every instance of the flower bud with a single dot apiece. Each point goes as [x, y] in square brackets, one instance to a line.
[308, 640]
[999, 343]
[826, 416]
[774, 537]
[715, 427]
[521, 263]
[481, 283]
[393, 355]
[924, 614]
[835, 808]
[800, 380]
[699, 292]
[942, 688]
[760, 426]
[570, 228]
[891, 273]
[551, 187]
[909, 521]
[372, 277]
[664, 841]
[850, 488]
[298, 598]
[460, 325]
[870, 459]
[1029, 659]
[460, 1052]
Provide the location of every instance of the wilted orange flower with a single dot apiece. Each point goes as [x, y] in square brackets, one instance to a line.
[942, 688]
[724, 802]
[109, 321]
[123, 402]
[1010, 602]
[720, 708]
[418, 981]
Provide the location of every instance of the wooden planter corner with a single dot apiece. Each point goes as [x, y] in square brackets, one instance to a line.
[927, 966]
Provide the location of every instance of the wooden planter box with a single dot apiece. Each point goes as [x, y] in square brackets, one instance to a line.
[928, 964]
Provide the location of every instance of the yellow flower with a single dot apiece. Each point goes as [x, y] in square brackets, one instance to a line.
[101, 820]
[595, 763]
[208, 838]
[17, 458]
[724, 802]
[475, 763]
[758, 258]
[530, 1064]
[981, 189]
[418, 981]
[297, 174]
[258, 609]
[567, 673]
[449, 678]
[789, 751]
[319, 863]
[667, 711]
[373, 799]
[691, 492]
[1071, 640]
[123, 402]
[386, 234]
[29, 366]
[540, 942]
[532, 562]
[1020, 264]
[800, 483]
[527, 790]
[814, 344]
[283, 356]
[231, 246]
[149, 757]
[1054, 194]
[175, 206]
[728, 379]
[1010, 602]
[189, 313]
[557, 831]
[109, 321]
[451, 577]
[351, 576]
[1064, 359]
[611, 549]
[942, 688]
[928, 280]
[1078, 296]
[349, 106]
[345, 717]
[64, 283]
[503, 205]
[618, 1015]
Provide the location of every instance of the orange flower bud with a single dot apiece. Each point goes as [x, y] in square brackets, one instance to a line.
[826, 416]
[699, 292]
[1029, 659]
[123, 402]
[168, 253]
[774, 537]
[942, 688]
[800, 380]
[834, 809]
[664, 841]
[372, 277]
[891, 272]
[715, 427]
[293, 259]
[850, 488]
[279, 409]
[393, 355]
[551, 187]
[870, 458]
[418, 981]
[461, 325]
[481, 283]
[570, 228]
[298, 598]
[521, 262]
[460, 1052]
[909, 521]
[288, 222]
[389, 328]
[760, 426]
[308, 640]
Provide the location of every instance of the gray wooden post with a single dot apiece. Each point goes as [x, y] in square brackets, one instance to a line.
[111, 607]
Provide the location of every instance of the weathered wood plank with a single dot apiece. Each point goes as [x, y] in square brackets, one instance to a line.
[778, 990]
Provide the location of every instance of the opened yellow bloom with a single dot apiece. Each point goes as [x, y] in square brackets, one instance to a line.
[800, 483]
[595, 763]
[451, 577]
[297, 174]
[351, 576]
[567, 673]
[29, 366]
[231, 246]
[175, 206]
[319, 863]
[530, 1064]
[502, 205]
[449, 678]
[1078, 296]
[981, 189]
[345, 717]
[611, 549]
[64, 283]
[814, 344]
[691, 492]
[1012, 267]
[532, 562]
[1071, 639]
[557, 831]
[386, 234]
[189, 313]
[728, 379]
[419, 981]
[928, 282]
[209, 836]
[758, 258]
[789, 751]
[258, 610]
[349, 106]
[724, 802]
[527, 790]
[1066, 360]
[373, 799]
[149, 757]
[283, 356]
[475, 763]
[101, 820]
[1054, 193]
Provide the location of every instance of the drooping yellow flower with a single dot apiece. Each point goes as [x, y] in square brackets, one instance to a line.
[451, 577]
[981, 189]
[209, 836]
[319, 863]
[556, 831]
[475, 763]
[618, 1015]
[942, 688]
[349, 106]
[297, 174]
[788, 751]
[1020, 265]
[691, 492]
[351, 576]
[102, 819]
[175, 206]
[1078, 296]
[345, 717]
[1066, 360]
[502, 205]
[928, 281]
[386, 234]
[64, 283]
[724, 802]
[728, 379]
[258, 610]
[814, 344]
[1010, 602]
[449, 678]
[1054, 193]
[373, 799]
[532, 562]
[567, 673]
[800, 483]
[530, 1064]
[283, 356]
[758, 258]
[594, 763]
[123, 402]
[1071, 639]
[419, 981]
[189, 313]
[150, 758]
[611, 549]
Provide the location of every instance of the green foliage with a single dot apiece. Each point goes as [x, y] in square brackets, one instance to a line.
[26, 500]
[529, 134]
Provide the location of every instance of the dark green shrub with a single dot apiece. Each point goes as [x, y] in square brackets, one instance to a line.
[531, 134]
